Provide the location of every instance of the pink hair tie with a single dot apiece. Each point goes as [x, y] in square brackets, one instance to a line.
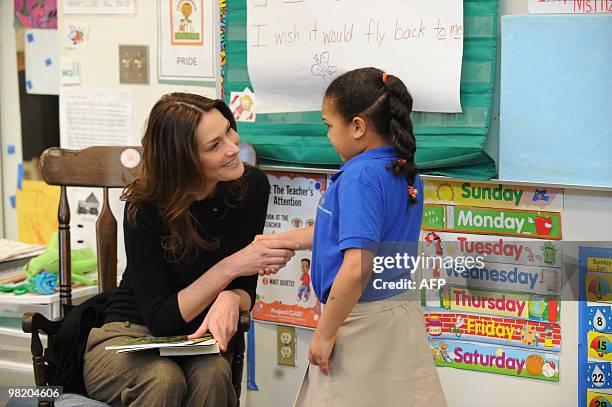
[402, 161]
[384, 77]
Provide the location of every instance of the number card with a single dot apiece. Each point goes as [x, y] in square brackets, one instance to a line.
[598, 287]
[598, 399]
[599, 375]
[600, 346]
[599, 318]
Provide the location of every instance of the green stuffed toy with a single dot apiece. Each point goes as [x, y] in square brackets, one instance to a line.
[43, 270]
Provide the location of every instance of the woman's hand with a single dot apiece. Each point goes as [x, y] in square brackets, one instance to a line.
[221, 319]
[320, 351]
[272, 269]
[259, 255]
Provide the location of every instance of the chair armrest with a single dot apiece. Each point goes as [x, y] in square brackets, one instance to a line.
[244, 321]
[26, 322]
[32, 322]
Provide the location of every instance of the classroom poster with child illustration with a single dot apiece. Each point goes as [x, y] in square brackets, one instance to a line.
[287, 296]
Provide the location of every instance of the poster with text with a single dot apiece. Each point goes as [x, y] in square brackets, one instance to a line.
[95, 117]
[296, 48]
[99, 7]
[493, 195]
[570, 6]
[287, 297]
[493, 330]
[544, 308]
[494, 249]
[503, 360]
[187, 40]
[506, 222]
[497, 276]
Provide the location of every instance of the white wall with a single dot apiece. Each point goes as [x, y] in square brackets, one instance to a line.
[10, 119]
[99, 64]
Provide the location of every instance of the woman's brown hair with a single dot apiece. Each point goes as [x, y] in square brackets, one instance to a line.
[170, 175]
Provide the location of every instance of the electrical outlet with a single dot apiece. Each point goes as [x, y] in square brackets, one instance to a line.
[134, 64]
[285, 342]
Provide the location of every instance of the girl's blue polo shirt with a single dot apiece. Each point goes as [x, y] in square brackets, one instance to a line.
[364, 205]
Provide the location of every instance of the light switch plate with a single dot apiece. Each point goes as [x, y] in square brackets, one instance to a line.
[285, 342]
[134, 64]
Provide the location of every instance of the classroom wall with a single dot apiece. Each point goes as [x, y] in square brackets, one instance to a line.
[585, 213]
[586, 217]
[99, 63]
[10, 119]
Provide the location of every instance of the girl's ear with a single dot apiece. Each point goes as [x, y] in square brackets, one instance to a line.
[358, 127]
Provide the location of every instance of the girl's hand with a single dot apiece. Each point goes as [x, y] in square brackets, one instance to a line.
[321, 351]
[221, 320]
[272, 269]
[261, 255]
[271, 236]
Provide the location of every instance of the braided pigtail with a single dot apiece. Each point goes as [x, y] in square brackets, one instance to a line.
[400, 107]
[386, 103]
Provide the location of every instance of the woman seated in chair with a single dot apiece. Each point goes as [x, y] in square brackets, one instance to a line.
[189, 221]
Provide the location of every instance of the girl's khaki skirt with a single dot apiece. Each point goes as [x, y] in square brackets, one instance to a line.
[381, 357]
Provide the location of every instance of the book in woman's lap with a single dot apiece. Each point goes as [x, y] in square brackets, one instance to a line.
[169, 345]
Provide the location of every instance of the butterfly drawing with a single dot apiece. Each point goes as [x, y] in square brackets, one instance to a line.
[540, 194]
[322, 68]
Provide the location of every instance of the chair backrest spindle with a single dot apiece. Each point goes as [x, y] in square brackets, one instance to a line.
[65, 276]
[106, 231]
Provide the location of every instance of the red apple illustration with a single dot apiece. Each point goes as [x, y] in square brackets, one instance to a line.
[543, 225]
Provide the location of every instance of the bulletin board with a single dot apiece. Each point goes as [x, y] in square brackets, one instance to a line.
[449, 144]
[595, 327]
[550, 117]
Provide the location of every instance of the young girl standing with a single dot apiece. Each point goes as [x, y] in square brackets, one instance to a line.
[370, 346]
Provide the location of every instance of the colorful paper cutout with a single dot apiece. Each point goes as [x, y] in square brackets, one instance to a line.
[509, 222]
[599, 375]
[598, 287]
[496, 359]
[506, 304]
[495, 249]
[493, 195]
[599, 318]
[37, 211]
[600, 346]
[494, 330]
